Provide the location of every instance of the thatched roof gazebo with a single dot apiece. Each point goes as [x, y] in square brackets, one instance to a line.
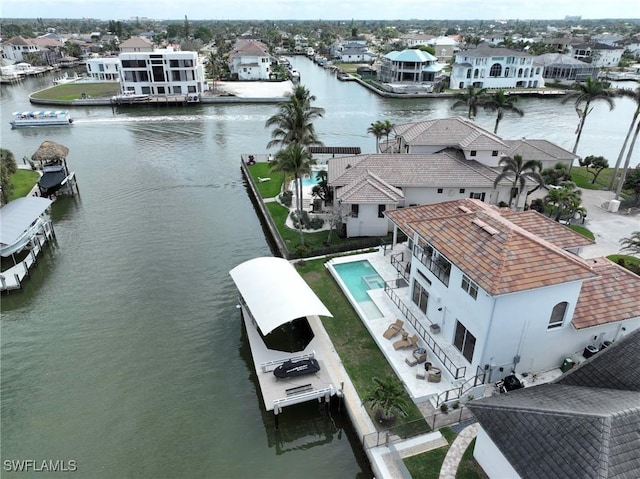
[50, 153]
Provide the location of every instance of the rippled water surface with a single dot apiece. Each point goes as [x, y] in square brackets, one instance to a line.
[125, 352]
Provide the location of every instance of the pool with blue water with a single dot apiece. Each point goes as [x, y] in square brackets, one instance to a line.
[359, 277]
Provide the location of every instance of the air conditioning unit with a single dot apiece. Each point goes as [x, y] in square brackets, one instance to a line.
[613, 206]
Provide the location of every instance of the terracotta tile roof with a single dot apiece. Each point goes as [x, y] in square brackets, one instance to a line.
[442, 169]
[496, 253]
[456, 131]
[370, 189]
[613, 296]
[546, 228]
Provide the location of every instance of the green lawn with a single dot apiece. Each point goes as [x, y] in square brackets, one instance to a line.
[583, 231]
[23, 181]
[358, 352]
[74, 91]
[266, 189]
[583, 179]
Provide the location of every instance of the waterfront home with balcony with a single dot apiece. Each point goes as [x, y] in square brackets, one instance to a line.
[250, 60]
[410, 66]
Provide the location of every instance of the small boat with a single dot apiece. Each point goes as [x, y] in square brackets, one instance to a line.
[295, 76]
[292, 369]
[129, 96]
[41, 118]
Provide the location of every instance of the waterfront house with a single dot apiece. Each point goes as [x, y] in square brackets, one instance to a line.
[558, 66]
[16, 48]
[136, 45]
[489, 67]
[412, 40]
[598, 54]
[585, 424]
[250, 60]
[162, 72]
[410, 66]
[507, 289]
[104, 68]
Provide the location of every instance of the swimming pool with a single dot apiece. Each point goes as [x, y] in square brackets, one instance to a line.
[310, 181]
[359, 277]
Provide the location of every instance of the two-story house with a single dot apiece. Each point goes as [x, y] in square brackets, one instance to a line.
[598, 54]
[488, 67]
[104, 68]
[16, 48]
[507, 290]
[250, 60]
[410, 66]
[162, 72]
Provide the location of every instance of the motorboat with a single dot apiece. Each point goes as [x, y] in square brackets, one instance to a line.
[292, 369]
[41, 118]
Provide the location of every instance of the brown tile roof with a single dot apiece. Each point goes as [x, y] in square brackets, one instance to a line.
[442, 169]
[455, 131]
[613, 296]
[496, 253]
[546, 228]
[370, 189]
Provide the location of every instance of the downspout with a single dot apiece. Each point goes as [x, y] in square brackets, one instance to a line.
[484, 349]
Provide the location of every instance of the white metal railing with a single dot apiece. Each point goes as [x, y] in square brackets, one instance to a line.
[278, 404]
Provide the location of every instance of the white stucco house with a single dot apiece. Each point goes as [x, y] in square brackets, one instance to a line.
[162, 72]
[489, 67]
[104, 68]
[598, 54]
[507, 290]
[410, 66]
[430, 162]
[250, 60]
[15, 49]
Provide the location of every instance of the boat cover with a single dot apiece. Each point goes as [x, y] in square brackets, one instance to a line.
[52, 178]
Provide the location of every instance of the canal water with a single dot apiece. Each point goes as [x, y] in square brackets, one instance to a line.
[125, 352]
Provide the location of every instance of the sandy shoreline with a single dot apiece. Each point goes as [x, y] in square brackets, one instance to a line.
[253, 89]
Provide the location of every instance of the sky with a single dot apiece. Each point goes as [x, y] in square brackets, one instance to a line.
[320, 9]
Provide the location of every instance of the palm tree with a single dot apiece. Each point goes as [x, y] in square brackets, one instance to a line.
[566, 199]
[632, 243]
[377, 130]
[501, 102]
[635, 96]
[589, 91]
[627, 161]
[387, 398]
[472, 99]
[294, 160]
[519, 172]
[294, 121]
[387, 128]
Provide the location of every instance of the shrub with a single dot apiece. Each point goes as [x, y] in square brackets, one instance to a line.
[502, 204]
[456, 405]
[286, 198]
[444, 408]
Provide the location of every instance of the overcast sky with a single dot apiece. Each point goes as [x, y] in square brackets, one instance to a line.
[320, 9]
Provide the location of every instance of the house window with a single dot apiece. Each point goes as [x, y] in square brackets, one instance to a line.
[461, 190]
[494, 153]
[355, 209]
[469, 286]
[496, 70]
[381, 209]
[477, 196]
[440, 190]
[420, 297]
[473, 153]
[464, 341]
[557, 315]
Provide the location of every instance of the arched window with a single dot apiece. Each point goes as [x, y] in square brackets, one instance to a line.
[506, 72]
[519, 72]
[469, 73]
[526, 72]
[496, 70]
[557, 315]
[475, 73]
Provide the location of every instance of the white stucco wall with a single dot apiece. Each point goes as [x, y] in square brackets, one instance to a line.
[367, 223]
[492, 461]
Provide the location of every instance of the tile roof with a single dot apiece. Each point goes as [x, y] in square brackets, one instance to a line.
[613, 296]
[485, 50]
[455, 131]
[370, 189]
[442, 169]
[584, 425]
[496, 253]
[542, 150]
[410, 55]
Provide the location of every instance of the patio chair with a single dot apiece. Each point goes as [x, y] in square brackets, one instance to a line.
[406, 343]
[434, 375]
[393, 329]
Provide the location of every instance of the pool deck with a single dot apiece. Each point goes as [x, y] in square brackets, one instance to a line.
[419, 389]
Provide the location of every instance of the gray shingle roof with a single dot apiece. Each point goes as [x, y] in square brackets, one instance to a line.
[542, 150]
[584, 425]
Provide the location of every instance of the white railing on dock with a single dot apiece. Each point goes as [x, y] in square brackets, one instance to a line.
[271, 365]
[279, 404]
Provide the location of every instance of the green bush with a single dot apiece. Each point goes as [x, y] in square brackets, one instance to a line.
[286, 198]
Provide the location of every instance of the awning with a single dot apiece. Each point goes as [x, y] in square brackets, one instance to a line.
[17, 216]
[275, 293]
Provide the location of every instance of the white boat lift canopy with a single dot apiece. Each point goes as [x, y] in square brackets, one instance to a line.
[275, 293]
[16, 218]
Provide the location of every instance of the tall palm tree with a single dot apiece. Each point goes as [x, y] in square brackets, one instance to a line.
[296, 161]
[294, 121]
[501, 102]
[519, 172]
[627, 161]
[473, 98]
[566, 199]
[635, 96]
[586, 93]
[377, 130]
[387, 398]
[632, 243]
[388, 128]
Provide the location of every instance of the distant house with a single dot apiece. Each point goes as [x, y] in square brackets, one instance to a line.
[411, 40]
[162, 72]
[488, 67]
[598, 54]
[16, 48]
[445, 47]
[585, 424]
[410, 66]
[557, 66]
[136, 44]
[104, 69]
[250, 60]
[508, 290]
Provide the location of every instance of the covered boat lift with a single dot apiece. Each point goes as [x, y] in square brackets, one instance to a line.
[272, 294]
[51, 158]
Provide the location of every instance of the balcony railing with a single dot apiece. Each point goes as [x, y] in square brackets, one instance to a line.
[456, 371]
[440, 267]
[397, 261]
[460, 391]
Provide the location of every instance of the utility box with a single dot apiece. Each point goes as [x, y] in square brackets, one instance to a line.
[567, 364]
[614, 205]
